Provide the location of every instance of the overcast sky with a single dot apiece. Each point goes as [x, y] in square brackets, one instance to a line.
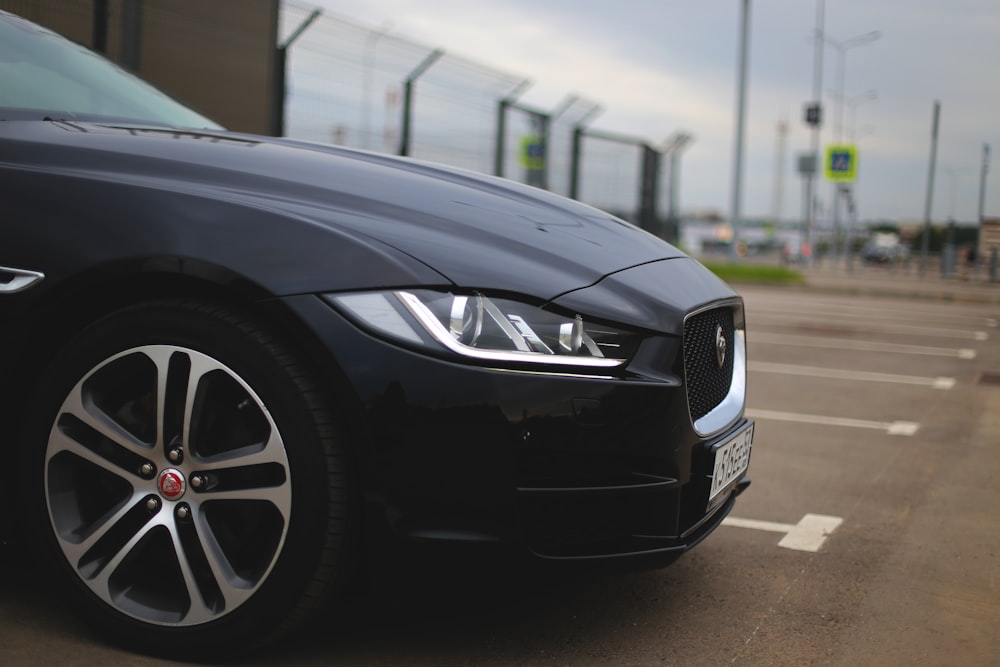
[657, 67]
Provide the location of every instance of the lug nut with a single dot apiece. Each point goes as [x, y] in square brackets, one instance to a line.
[198, 481]
[175, 455]
[183, 512]
[147, 470]
[153, 504]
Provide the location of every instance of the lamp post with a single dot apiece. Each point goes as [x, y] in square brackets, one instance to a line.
[741, 96]
[852, 104]
[842, 48]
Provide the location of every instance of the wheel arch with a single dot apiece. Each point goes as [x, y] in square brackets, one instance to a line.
[75, 303]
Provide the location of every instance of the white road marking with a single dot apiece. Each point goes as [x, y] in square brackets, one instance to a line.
[880, 314]
[859, 345]
[809, 534]
[880, 326]
[891, 428]
[862, 376]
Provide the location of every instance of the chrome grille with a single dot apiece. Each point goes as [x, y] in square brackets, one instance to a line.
[707, 383]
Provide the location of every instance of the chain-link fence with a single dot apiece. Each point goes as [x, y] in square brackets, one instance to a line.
[283, 67]
[364, 87]
[346, 85]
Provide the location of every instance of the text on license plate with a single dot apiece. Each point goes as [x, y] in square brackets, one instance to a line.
[731, 461]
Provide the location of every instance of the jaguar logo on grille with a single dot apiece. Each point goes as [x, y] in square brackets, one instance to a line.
[720, 346]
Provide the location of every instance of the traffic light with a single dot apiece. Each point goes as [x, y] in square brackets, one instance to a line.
[814, 114]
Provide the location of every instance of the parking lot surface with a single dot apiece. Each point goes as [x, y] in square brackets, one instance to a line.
[870, 534]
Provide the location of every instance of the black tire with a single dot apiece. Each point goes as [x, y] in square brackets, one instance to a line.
[188, 479]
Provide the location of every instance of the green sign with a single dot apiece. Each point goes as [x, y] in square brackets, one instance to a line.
[840, 164]
[533, 152]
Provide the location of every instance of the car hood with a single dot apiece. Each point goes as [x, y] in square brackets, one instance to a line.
[471, 230]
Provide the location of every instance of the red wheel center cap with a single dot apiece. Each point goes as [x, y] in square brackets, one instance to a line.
[171, 484]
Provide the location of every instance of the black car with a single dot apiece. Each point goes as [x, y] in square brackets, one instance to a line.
[230, 361]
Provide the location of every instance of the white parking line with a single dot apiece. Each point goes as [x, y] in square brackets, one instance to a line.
[863, 376]
[891, 428]
[809, 534]
[860, 345]
[880, 326]
[878, 313]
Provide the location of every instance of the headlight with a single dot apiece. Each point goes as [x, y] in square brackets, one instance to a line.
[499, 330]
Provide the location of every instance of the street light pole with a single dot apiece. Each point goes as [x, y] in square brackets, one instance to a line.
[925, 240]
[982, 184]
[809, 217]
[853, 103]
[842, 49]
[741, 96]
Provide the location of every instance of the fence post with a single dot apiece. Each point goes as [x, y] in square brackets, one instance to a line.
[648, 219]
[501, 136]
[672, 149]
[432, 57]
[278, 89]
[576, 154]
[574, 163]
[500, 141]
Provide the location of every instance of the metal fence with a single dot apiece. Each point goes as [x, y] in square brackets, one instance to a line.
[367, 88]
[327, 79]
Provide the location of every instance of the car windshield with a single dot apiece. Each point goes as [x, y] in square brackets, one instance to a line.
[43, 75]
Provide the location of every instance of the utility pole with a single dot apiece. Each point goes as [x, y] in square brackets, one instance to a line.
[982, 185]
[838, 126]
[779, 172]
[814, 118]
[925, 241]
[741, 97]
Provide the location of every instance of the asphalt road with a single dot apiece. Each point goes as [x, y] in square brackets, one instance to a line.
[870, 535]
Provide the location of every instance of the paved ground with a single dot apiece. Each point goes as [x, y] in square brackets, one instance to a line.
[868, 280]
[870, 536]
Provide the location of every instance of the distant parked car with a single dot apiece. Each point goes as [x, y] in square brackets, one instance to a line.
[884, 254]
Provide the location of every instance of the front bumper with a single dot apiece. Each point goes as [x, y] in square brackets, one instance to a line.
[562, 467]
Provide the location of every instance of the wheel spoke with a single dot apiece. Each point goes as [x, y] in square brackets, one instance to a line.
[161, 359]
[277, 495]
[61, 442]
[272, 452]
[199, 611]
[101, 582]
[76, 550]
[200, 367]
[234, 588]
[84, 410]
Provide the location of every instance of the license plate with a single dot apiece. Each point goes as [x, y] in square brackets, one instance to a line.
[731, 460]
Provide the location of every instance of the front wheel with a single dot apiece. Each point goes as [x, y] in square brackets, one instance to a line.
[189, 480]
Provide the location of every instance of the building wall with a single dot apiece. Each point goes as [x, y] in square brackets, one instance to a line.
[216, 57]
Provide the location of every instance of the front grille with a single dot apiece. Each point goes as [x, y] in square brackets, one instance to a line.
[707, 382]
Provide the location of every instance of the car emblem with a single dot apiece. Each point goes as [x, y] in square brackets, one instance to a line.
[171, 484]
[720, 346]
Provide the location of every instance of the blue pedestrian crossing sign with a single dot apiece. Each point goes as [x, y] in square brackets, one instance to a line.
[533, 152]
[840, 163]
